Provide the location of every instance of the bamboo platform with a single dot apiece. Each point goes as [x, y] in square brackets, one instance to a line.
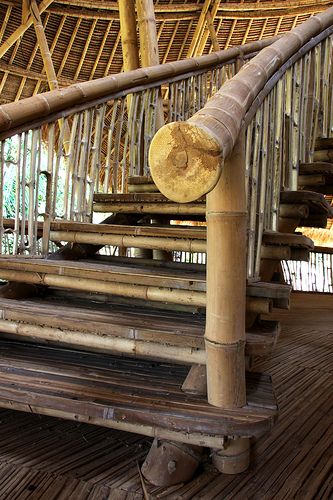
[73, 461]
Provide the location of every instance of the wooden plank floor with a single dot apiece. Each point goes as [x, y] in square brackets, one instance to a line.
[45, 458]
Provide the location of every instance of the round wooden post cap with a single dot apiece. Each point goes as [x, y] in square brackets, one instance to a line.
[185, 161]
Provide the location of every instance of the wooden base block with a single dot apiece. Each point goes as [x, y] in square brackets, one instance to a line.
[169, 463]
[196, 380]
[234, 458]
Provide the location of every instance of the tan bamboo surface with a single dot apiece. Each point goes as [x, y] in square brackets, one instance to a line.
[211, 133]
[226, 284]
[37, 107]
[76, 460]
[178, 286]
[118, 329]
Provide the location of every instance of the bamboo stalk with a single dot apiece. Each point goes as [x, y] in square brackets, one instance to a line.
[156, 243]
[150, 208]
[129, 42]
[226, 263]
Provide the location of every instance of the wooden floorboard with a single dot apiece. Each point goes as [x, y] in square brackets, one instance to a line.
[45, 458]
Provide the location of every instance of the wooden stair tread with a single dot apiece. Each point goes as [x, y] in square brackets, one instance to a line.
[136, 198]
[191, 280]
[324, 143]
[288, 239]
[142, 324]
[120, 392]
[316, 201]
[316, 168]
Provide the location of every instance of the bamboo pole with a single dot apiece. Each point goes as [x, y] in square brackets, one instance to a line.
[149, 46]
[226, 284]
[43, 46]
[19, 32]
[129, 41]
[128, 241]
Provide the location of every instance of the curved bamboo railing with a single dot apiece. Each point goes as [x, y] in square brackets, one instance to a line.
[98, 133]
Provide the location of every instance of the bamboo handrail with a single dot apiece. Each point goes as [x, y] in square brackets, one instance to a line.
[49, 106]
[211, 133]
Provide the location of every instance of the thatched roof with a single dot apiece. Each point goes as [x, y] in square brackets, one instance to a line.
[85, 42]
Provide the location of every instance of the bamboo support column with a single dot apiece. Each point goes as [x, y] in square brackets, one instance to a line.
[149, 45]
[129, 41]
[226, 299]
[226, 284]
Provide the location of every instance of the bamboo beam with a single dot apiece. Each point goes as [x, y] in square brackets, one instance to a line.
[32, 75]
[209, 28]
[129, 41]
[147, 32]
[226, 284]
[100, 51]
[85, 50]
[43, 46]
[7, 44]
[198, 30]
[212, 32]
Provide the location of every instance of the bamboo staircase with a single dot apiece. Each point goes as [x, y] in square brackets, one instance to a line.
[125, 340]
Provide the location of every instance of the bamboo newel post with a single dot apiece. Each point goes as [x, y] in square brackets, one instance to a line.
[226, 284]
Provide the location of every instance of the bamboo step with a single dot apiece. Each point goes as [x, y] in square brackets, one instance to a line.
[132, 395]
[171, 336]
[324, 143]
[141, 184]
[317, 176]
[317, 205]
[131, 280]
[172, 238]
[146, 203]
[285, 246]
[323, 149]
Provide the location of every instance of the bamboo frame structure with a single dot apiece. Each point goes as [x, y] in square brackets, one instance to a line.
[216, 127]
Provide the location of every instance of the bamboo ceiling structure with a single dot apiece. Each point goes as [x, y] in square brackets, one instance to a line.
[85, 43]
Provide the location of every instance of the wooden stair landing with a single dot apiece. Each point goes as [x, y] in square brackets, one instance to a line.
[130, 395]
[172, 336]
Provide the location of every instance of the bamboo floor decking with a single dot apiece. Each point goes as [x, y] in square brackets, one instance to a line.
[46, 458]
